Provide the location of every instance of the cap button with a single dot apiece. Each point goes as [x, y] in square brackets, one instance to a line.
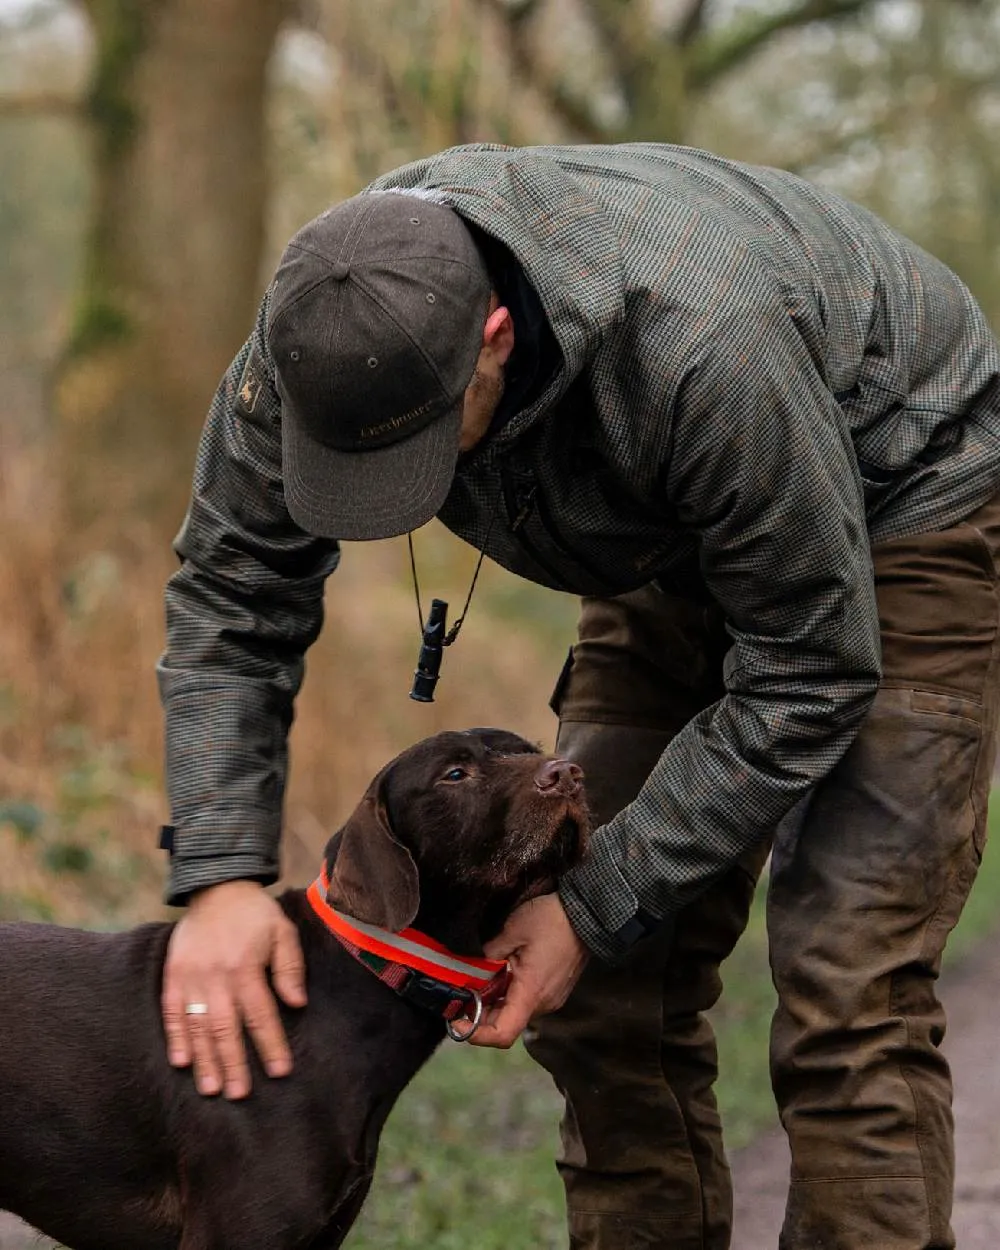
[339, 269]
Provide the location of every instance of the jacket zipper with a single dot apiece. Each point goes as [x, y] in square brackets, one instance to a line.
[519, 508]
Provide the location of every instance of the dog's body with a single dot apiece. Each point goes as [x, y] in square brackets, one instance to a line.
[105, 1147]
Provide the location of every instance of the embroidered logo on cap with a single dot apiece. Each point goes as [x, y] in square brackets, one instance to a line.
[250, 387]
[373, 431]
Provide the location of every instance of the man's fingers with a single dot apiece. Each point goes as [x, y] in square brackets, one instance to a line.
[546, 959]
[288, 967]
[502, 1025]
[207, 1070]
[217, 959]
[260, 1015]
[518, 930]
[179, 1052]
[500, 1029]
[502, 946]
[228, 1053]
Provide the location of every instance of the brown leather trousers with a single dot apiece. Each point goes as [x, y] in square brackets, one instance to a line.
[868, 877]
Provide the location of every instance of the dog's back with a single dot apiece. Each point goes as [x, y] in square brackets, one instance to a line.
[102, 1144]
[81, 1065]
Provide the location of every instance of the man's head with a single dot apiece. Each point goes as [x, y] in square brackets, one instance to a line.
[389, 348]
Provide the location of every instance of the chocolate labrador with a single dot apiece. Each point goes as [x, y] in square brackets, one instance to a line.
[104, 1146]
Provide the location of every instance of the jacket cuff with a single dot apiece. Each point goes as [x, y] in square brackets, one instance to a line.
[208, 854]
[602, 906]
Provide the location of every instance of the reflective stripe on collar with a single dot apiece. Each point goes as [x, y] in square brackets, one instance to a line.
[409, 947]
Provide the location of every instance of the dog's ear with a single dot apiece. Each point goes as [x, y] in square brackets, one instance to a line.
[373, 877]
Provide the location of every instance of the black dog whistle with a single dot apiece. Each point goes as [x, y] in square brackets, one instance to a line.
[431, 650]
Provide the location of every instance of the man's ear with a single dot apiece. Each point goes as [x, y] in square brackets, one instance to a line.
[498, 334]
[373, 877]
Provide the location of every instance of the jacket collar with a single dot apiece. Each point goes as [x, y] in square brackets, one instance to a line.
[541, 205]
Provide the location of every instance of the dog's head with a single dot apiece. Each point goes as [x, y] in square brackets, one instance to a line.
[456, 832]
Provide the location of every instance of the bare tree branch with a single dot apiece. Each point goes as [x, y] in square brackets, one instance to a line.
[720, 54]
[691, 24]
[894, 118]
[610, 19]
[572, 111]
[645, 65]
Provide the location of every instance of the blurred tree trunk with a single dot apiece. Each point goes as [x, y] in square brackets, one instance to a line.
[170, 272]
[662, 67]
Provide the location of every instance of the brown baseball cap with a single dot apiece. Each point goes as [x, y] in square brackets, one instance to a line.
[375, 325]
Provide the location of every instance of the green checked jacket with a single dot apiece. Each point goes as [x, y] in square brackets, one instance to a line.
[758, 379]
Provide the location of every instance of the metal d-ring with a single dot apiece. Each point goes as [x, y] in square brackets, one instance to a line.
[476, 1021]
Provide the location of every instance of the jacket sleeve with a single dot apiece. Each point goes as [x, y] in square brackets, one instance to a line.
[762, 470]
[242, 609]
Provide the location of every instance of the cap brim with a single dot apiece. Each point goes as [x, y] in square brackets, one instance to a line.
[361, 495]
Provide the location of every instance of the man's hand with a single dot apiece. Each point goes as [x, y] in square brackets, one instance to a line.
[215, 963]
[546, 959]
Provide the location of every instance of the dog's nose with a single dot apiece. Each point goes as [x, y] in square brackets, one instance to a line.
[559, 777]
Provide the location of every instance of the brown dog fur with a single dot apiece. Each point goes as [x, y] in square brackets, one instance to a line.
[105, 1147]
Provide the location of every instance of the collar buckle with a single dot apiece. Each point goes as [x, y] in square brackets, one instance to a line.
[435, 996]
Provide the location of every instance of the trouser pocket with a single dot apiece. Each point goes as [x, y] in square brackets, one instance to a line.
[646, 659]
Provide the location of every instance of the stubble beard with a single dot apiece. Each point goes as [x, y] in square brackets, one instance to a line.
[489, 389]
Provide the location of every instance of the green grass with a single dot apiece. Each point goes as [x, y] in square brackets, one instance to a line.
[467, 1155]
[466, 1159]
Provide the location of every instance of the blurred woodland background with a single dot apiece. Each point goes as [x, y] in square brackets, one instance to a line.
[155, 155]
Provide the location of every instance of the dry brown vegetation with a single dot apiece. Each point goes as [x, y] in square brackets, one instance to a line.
[80, 727]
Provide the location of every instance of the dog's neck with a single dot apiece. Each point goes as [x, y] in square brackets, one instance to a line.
[425, 972]
[457, 924]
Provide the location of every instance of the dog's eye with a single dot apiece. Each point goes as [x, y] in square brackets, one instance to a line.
[455, 774]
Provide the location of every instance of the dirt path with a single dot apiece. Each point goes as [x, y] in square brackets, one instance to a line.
[972, 997]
